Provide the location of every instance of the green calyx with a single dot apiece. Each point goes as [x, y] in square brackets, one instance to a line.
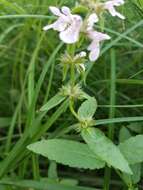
[80, 10]
[74, 92]
[86, 122]
[67, 59]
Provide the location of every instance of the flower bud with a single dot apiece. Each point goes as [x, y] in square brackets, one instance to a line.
[81, 10]
[77, 61]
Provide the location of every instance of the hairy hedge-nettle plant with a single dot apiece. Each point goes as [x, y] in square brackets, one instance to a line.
[75, 27]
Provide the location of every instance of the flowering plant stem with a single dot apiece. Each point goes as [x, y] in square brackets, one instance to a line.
[72, 74]
[71, 51]
[71, 106]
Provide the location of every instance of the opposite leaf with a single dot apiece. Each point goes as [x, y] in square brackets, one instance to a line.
[88, 108]
[132, 149]
[54, 101]
[135, 178]
[105, 149]
[67, 152]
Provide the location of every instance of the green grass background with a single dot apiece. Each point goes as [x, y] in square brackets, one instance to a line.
[30, 74]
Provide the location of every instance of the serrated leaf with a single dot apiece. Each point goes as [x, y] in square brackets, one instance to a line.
[104, 148]
[87, 108]
[54, 101]
[133, 149]
[67, 152]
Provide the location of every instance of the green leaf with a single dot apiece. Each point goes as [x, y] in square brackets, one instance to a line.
[72, 182]
[87, 108]
[54, 101]
[135, 178]
[105, 149]
[133, 149]
[52, 170]
[67, 152]
[42, 185]
[136, 127]
[124, 134]
[136, 173]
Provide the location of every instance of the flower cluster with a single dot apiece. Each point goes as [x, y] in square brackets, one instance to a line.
[67, 24]
[71, 25]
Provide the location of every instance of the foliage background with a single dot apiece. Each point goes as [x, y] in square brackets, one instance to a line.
[21, 45]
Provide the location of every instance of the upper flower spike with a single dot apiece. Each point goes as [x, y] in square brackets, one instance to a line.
[109, 5]
[67, 24]
[95, 37]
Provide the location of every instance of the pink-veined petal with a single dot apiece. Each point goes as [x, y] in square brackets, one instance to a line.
[120, 15]
[55, 10]
[67, 24]
[71, 34]
[93, 18]
[118, 2]
[94, 55]
[47, 27]
[94, 48]
[66, 11]
[111, 9]
[98, 36]
[109, 5]
[60, 25]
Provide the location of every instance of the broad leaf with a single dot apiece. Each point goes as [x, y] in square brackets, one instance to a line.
[67, 152]
[136, 173]
[87, 108]
[133, 149]
[135, 178]
[54, 101]
[105, 149]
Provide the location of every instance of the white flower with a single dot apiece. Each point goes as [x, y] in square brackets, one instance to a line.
[67, 24]
[94, 47]
[92, 19]
[109, 5]
[95, 37]
[82, 54]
